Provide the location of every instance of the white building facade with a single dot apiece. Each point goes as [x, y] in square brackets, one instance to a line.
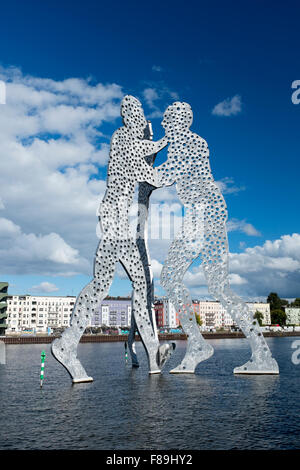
[213, 314]
[170, 315]
[263, 308]
[38, 313]
[292, 315]
[113, 312]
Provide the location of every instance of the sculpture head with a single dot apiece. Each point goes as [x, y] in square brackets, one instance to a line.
[133, 115]
[177, 116]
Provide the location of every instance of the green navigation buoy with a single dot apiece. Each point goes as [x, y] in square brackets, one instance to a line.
[43, 355]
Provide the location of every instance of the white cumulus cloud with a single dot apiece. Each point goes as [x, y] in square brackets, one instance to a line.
[228, 107]
[242, 226]
[157, 68]
[46, 287]
[28, 253]
[273, 266]
[228, 186]
[51, 151]
[158, 97]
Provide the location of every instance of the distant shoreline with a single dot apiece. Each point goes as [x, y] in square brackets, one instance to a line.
[43, 339]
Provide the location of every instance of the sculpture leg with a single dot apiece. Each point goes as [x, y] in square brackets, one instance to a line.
[131, 342]
[181, 255]
[64, 349]
[164, 351]
[131, 262]
[216, 272]
[133, 327]
[145, 191]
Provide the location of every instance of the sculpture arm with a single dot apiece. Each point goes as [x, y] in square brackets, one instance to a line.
[160, 144]
[165, 176]
[146, 173]
[147, 147]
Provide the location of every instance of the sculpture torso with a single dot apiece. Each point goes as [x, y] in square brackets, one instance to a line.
[121, 179]
[188, 166]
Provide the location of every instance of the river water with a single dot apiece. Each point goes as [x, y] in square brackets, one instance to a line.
[125, 408]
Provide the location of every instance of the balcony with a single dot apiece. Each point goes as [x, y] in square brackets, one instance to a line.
[3, 287]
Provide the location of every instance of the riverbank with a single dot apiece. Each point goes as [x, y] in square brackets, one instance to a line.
[40, 339]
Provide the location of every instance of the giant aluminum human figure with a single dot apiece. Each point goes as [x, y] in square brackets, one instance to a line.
[126, 168]
[203, 234]
[144, 192]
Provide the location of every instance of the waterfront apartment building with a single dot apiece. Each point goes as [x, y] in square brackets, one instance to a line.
[38, 313]
[159, 313]
[263, 308]
[165, 314]
[171, 316]
[292, 315]
[3, 307]
[212, 314]
[113, 312]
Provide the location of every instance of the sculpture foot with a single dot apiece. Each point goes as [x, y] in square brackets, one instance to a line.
[164, 353]
[154, 371]
[189, 362]
[182, 370]
[268, 366]
[82, 379]
[134, 359]
[68, 359]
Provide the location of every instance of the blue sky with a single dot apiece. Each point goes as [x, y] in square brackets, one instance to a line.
[196, 52]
